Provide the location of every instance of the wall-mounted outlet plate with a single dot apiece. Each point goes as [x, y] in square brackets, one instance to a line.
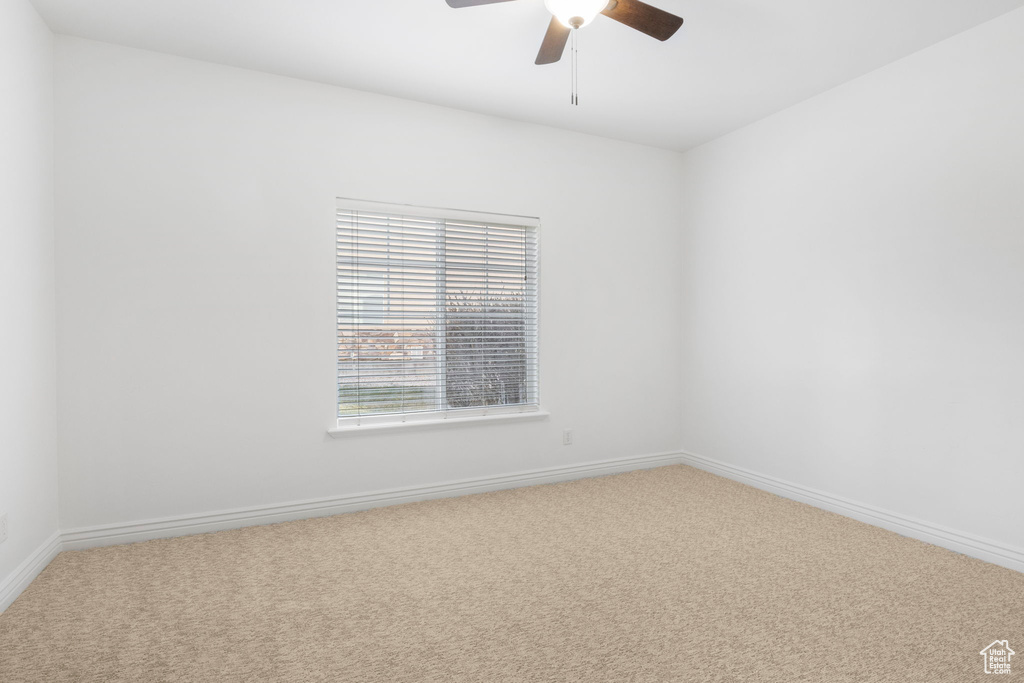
[566, 437]
[3, 527]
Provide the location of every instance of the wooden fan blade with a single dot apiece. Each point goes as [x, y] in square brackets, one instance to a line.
[654, 22]
[554, 42]
[471, 3]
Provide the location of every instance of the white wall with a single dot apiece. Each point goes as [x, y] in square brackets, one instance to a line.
[28, 460]
[195, 284]
[853, 307]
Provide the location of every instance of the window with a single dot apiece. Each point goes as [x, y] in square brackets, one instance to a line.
[437, 314]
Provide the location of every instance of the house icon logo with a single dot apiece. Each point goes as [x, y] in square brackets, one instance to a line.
[997, 657]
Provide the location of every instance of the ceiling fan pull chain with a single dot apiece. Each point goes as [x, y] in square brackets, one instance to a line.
[575, 98]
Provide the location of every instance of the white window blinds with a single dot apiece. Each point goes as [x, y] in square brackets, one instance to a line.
[437, 313]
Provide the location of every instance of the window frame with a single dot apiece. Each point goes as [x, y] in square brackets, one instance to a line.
[472, 415]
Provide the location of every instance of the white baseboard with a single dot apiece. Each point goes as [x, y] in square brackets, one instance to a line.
[958, 541]
[114, 534]
[167, 527]
[12, 586]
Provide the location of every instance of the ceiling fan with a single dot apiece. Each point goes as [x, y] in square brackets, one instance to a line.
[573, 14]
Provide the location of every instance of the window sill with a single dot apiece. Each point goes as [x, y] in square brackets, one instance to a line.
[341, 432]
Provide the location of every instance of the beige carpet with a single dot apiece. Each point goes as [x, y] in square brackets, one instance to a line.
[661, 575]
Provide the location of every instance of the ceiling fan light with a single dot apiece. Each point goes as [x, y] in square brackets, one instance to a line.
[575, 13]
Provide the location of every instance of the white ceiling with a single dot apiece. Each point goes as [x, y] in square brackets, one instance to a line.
[733, 61]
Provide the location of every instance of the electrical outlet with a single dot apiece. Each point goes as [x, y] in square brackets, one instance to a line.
[566, 437]
[3, 527]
